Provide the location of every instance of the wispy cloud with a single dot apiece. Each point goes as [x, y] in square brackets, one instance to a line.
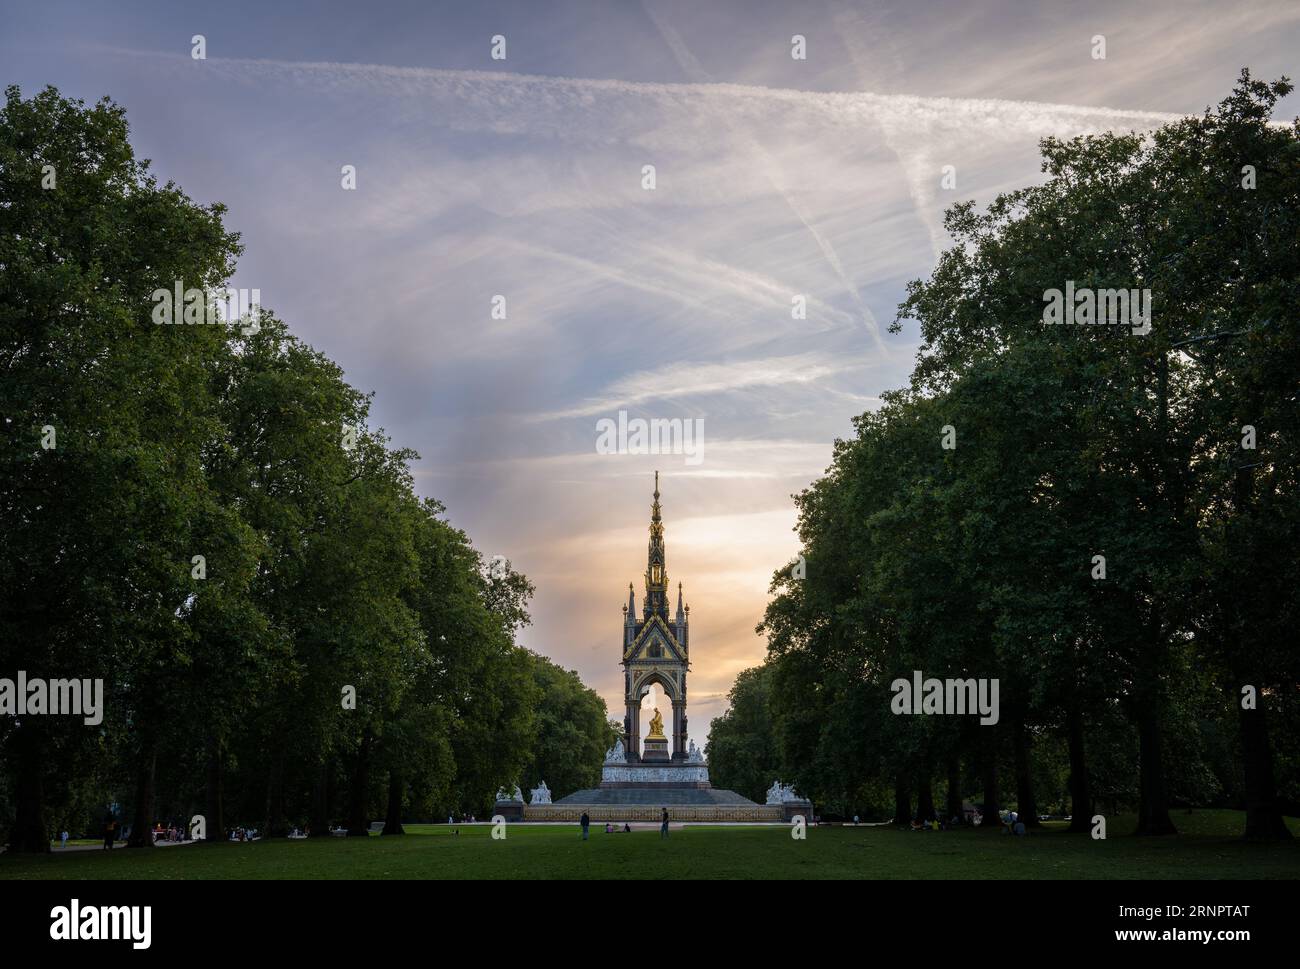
[822, 183]
[683, 379]
[517, 103]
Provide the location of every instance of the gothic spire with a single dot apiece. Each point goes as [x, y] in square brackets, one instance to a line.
[656, 573]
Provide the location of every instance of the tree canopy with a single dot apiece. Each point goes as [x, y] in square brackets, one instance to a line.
[1102, 519]
[202, 517]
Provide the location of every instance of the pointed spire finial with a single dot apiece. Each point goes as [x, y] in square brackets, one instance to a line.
[656, 574]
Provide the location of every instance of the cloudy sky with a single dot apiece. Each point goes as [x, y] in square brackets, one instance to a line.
[774, 177]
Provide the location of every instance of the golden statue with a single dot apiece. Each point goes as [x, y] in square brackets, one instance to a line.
[657, 726]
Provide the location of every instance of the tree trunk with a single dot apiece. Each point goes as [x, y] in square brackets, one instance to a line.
[30, 832]
[954, 789]
[393, 818]
[1153, 801]
[989, 769]
[1026, 805]
[267, 809]
[1263, 814]
[215, 819]
[1080, 792]
[924, 795]
[357, 796]
[277, 824]
[142, 816]
[320, 802]
[902, 799]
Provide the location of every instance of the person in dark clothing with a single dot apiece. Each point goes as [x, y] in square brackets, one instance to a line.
[110, 832]
[663, 825]
[586, 823]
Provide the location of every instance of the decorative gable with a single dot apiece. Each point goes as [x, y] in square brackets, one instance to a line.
[655, 642]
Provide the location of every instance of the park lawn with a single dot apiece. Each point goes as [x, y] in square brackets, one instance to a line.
[1209, 849]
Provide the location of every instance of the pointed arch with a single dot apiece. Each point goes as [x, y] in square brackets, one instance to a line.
[643, 680]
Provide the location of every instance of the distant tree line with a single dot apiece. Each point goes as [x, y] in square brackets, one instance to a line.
[1105, 521]
[201, 517]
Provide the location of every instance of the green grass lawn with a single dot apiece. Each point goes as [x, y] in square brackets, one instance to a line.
[1208, 848]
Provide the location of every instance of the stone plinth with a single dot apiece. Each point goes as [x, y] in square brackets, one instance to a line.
[656, 750]
[510, 810]
[791, 809]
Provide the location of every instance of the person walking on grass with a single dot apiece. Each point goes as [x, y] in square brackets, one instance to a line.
[586, 823]
[663, 825]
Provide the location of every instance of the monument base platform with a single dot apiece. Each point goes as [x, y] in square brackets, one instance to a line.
[671, 774]
[619, 813]
[641, 792]
[655, 797]
[621, 804]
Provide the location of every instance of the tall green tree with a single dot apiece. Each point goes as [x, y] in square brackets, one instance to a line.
[201, 516]
[741, 748]
[1112, 520]
[571, 731]
[106, 414]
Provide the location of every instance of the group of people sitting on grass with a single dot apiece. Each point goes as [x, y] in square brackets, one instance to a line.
[934, 824]
[1010, 821]
[615, 829]
[172, 833]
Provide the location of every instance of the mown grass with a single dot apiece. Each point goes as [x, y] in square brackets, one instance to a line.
[1208, 848]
